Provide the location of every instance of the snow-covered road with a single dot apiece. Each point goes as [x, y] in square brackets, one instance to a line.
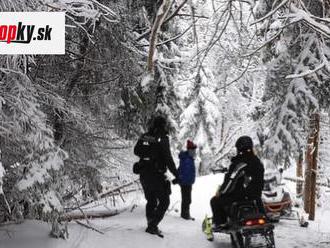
[127, 229]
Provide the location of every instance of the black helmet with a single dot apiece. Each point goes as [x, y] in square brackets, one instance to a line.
[244, 143]
[158, 124]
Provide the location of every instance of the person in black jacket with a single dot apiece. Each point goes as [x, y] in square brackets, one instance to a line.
[153, 148]
[243, 181]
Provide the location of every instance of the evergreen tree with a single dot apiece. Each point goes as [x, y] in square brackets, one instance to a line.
[296, 50]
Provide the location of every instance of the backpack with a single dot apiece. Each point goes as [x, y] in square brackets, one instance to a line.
[147, 149]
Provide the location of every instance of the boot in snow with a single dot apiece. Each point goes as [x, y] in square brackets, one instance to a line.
[187, 217]
[155, 231]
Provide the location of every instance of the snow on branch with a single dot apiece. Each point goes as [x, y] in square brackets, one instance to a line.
[309, 20]
[271, 39]
[287, 126]
[39, 168]
[88, 9]
[307, 72]
[297, 14]
[321, 49]
[84, 10]
[107, 10]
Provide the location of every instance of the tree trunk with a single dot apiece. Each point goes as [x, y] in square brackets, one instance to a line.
[161, 14]
[299, 174]
[307, 183]
[314, 167]
[308, 169]
[311, 167]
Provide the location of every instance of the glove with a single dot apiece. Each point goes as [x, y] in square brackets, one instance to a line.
[175, 180]
[137, 166]
[218, 193]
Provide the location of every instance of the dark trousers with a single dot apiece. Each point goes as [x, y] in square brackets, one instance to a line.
[158, 201]
[186, 200]
[219, 206]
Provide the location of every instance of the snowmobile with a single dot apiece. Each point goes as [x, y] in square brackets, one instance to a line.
[247, 227]
[277, 201]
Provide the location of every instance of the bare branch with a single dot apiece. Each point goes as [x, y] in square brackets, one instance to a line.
[237, 78]
[264, 44]
[170, 39]
[196, 16]
[270, 13]
[171, 16]
[176, 11]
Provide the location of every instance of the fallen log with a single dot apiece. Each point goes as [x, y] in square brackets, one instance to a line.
[11, 222]
[93, 215]
[105, 194]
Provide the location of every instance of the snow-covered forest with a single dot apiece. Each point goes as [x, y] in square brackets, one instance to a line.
[216, 69]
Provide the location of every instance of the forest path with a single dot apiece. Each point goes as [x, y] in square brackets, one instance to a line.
[127, 230]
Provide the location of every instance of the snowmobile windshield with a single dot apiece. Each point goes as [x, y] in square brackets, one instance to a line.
[270, 183]
[272, 176]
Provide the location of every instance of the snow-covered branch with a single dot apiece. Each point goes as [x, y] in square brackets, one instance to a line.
[309, 20]
[306, 72]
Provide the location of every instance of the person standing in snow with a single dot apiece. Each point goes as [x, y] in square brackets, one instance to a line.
[153, 149]
[187, 174]
[243, 181]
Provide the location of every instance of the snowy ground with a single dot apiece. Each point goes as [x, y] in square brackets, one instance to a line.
[127, 229]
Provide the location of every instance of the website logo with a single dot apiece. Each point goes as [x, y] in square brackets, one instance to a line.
[32, 32]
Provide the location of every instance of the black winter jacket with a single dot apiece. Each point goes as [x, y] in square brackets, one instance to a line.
[158, 161]
[244, 179]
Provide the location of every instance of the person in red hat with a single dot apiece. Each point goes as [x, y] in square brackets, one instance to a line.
[187, 174]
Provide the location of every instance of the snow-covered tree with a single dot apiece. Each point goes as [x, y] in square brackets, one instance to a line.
[54, 112]
[218, 84]
[296, 51]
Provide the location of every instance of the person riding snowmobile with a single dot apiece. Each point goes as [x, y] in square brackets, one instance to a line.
[243, 182]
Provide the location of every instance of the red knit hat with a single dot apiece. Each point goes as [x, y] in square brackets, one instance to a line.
[191, 145]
